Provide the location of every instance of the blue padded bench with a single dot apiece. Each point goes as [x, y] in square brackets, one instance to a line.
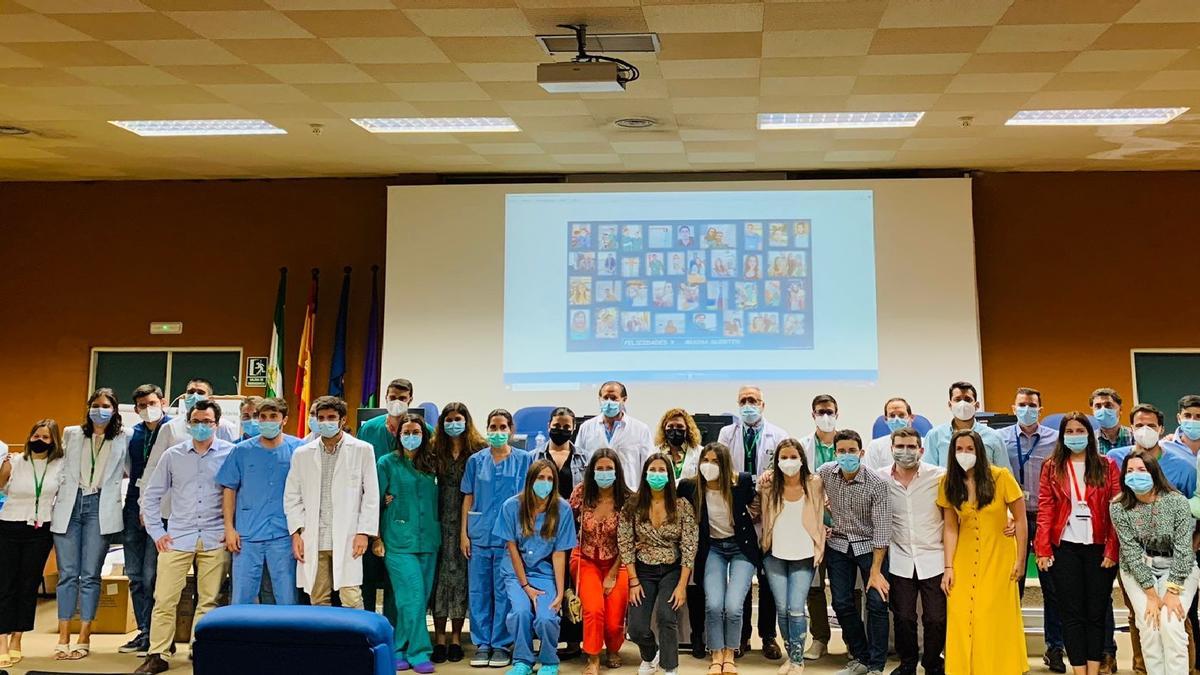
[292, 640]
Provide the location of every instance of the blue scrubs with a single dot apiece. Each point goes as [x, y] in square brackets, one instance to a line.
[490, 484]
[525, 622]
[258, 475]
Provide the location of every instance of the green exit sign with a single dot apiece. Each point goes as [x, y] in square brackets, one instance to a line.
[166, 328]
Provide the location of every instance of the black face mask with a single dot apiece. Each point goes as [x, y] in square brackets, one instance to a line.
[38, 445]
[676, 437]
[560, 436]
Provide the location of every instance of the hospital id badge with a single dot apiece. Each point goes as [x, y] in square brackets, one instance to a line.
[1083, 511]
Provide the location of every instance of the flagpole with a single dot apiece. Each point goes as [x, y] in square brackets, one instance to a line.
[337, 363]
[370, 384]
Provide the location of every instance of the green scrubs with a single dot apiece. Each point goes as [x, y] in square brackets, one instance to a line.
[375, 576]
[411, 538]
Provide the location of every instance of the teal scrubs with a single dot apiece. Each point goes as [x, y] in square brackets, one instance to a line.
[411, 538]
[375, 575]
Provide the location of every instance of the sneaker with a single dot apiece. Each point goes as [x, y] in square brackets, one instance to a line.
[519, 668]
[501, 658]
[671, 672]
[134, 644]
[815, 650]
[1053, 658]
[649, 667]
[854, 668]
[481, 657]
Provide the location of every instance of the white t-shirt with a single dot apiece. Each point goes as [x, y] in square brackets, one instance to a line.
[789, 539]
[1078, 530]
[720, 524]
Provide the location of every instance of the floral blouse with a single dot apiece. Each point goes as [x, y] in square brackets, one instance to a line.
[650, 545]
[597, 536]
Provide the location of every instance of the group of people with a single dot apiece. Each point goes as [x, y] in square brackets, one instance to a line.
[610, 529]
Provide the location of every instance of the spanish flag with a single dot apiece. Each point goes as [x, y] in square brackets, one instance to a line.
[304, 362]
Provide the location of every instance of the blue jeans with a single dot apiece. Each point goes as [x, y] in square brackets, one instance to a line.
[526, 622]
[867, 646]
[80, 553]
[727, 576]
[141, 565]
[276, 556]
[790, 581]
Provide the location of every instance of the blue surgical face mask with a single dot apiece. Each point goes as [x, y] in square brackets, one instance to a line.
[605, 477]
[1107, 417]
[201, 432]
[1076, 442]
[312, 424]
[410, 441]
[189, 400]
[751, 414]
[270, 430]
[250, 428]
[456, 428]
[1027, 415]
[896, 423]
[543, 488]
[329, 429]
[849, 463]
[610, 408]
[100, 415]
[1191, 429]
[1139, 481]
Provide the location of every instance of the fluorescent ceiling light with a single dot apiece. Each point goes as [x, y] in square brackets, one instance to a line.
[198, 127]
[433, 125]
[838, 120]
[1094, 116]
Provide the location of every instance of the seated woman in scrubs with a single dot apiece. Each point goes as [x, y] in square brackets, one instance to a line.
[490, 478]
[538, 531]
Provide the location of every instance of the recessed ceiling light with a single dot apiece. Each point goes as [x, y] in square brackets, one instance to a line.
[1094, 116]
[9, 130]
[434, 125]
[838, 120]
[198, 127]
[635, 122]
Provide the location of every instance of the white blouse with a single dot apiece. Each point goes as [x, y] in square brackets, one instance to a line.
[24, 505]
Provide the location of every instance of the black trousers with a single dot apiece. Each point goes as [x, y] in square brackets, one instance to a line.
[658, 583]
[767, 619]
[1084, 589]
[904, 595]
[23, 553]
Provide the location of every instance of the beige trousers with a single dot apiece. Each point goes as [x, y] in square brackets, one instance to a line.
[351, 596]
[173, 568]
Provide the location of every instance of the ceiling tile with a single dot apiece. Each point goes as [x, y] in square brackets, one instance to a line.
[1066, 11]
[1110, 60]
[1150, 35]
[127, 26]
[388, 50]
[491, 49]
[239, 74]
[1163, 11]
[282, 51]
[699, 69]
[1044, 38]
[977, 83]
[414, 72]
[705, 18]
[927, 40]
[600, 20]
[91, 6]
[235, 25]
[943, 13]
[470, 22]
[806, 86]
[913, 84]
[440, 91]
[812, 66]
[316, 73]
[177, 52]
[123, 75]
[32, 27]
[822, 15]
[355, 23]
[711, 46]
[816, 43]
[913, 64]
[75, 54]
[1016, 62]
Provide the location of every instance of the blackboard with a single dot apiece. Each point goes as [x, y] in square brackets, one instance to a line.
[125, 371]
[1163, 377]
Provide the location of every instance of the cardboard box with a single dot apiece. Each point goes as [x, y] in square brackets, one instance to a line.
[114, 616]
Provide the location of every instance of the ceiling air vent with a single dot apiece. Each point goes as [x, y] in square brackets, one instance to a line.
[616, 42]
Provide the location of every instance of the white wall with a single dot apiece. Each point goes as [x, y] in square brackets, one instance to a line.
[443, 315]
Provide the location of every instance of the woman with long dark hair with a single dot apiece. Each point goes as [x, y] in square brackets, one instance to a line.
[30, 481]
[1158, 570]
[409, 537]
[792, 500]
[1076, 542]
[538, 531]
[86, 514]
[657, 536]
[602, 581]
[982, 606]
[454, 440]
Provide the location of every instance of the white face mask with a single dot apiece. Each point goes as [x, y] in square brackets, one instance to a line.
[151, 413]
[790, 467]
[826, 423]
[966, 460]
[1146, 437]
[396, 407]
[710, 471]
[963, 410]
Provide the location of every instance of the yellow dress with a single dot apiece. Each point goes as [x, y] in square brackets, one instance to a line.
[984, 633]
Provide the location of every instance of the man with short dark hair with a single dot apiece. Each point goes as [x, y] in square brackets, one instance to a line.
[614, 428]
[963, 404]
[1187, 433]
[856, 546]
[249, 410]
[1106, 409]
[897, 414]
[141, 556]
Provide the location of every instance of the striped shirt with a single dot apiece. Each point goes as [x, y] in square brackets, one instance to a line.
[325, 528]
[862, 518]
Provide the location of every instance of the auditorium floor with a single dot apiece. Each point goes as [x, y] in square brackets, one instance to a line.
[38, 647]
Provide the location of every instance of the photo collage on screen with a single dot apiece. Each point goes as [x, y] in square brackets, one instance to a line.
[689, 284]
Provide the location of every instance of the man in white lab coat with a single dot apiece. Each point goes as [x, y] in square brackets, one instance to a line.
[751, 440]
[332, 504]
[614, 428]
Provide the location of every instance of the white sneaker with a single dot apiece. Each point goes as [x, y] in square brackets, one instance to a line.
[671, 672]
[853, 668]
[815, 650]
[649, 667]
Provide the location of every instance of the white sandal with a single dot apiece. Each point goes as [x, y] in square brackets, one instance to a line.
[82, 649]
[62, 652]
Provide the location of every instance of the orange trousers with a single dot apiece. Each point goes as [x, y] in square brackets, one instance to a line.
[603, 615]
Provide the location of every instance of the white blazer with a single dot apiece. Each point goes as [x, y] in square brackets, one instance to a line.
[631, 442]
[355, 507]
[74, 445]
[732, 436]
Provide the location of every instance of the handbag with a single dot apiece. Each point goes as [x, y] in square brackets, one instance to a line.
[573, 604]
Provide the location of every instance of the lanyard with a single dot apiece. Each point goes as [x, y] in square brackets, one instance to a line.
[149, 442]
[750, 445]
[1022, 458]
[95, 456]
[37, 488]
[1074, 484]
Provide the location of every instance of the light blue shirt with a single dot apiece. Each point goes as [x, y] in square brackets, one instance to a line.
[191, 481]
[1035, 449]
[490, 484]
[1178, 465]
[937, 445]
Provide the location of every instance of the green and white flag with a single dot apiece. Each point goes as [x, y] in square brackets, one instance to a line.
[275, 360]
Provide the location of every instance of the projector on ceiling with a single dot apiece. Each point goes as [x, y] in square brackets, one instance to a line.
[580, 77]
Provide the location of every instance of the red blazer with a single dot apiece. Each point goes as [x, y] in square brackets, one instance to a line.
[1054, 507]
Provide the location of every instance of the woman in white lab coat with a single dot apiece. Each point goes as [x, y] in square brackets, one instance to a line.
[678, 437]
[355, 506]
